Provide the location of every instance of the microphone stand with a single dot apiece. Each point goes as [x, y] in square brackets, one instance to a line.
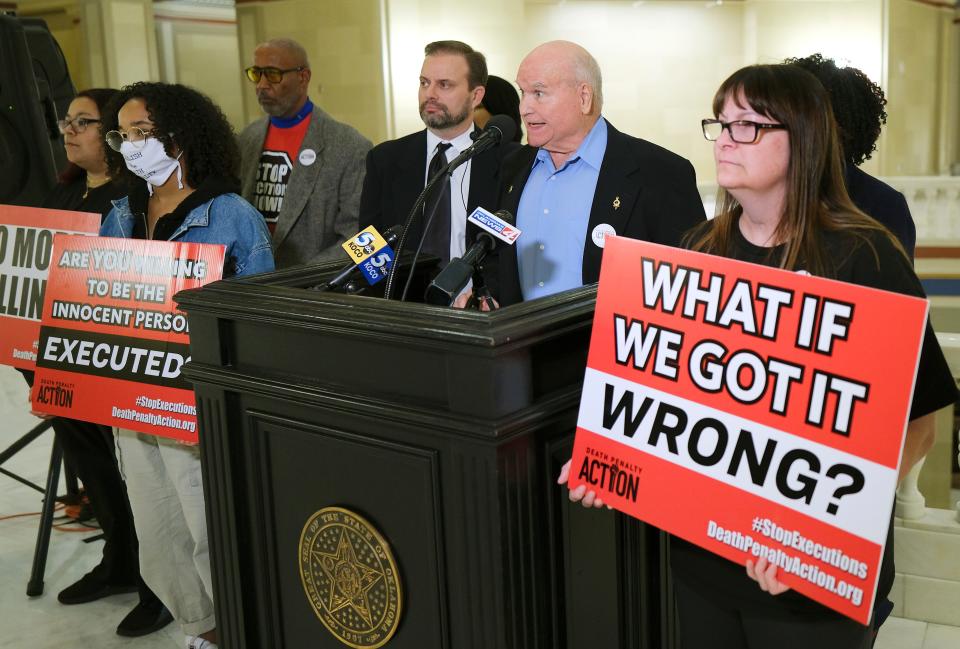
[417, 204]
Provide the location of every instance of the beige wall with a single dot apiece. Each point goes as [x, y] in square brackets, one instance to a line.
[922, 105]
[661, 60]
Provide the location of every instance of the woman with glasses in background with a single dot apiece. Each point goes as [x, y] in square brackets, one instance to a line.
[181, 158]
[782, 202]
[85, 186]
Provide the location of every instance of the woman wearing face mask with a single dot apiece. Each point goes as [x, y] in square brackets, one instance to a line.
[183, 157]
[85, 186]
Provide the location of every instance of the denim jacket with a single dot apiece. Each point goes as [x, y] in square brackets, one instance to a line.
[226, 219]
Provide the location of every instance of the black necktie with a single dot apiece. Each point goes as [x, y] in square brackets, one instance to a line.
[437, 239]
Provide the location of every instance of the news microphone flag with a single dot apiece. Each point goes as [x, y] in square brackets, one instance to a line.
[369, 250]
[493, 224]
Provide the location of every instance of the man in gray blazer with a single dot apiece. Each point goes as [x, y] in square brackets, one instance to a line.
[301, 168]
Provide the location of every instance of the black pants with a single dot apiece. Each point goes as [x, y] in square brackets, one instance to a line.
[88, 449]
[708, 622]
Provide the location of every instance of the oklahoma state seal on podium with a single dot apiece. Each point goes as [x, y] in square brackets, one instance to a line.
[350, 577]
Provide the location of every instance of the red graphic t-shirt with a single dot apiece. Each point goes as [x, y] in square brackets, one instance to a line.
[280, 150]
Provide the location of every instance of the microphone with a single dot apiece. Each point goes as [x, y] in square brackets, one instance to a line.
[446, 286]
[372, 257]
[500, 128]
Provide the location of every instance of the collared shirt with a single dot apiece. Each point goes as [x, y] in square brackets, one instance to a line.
[459, 187]
[553, 215]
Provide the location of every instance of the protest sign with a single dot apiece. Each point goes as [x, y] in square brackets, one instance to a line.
[751, 411]
[112, 343]
[26, 242]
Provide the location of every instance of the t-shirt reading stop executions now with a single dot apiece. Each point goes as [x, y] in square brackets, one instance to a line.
[281, 149]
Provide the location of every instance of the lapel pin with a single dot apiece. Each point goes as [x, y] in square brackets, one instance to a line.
[510, 189]
[616, 203]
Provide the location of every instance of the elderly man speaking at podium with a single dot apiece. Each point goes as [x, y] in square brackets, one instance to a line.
[579, 180]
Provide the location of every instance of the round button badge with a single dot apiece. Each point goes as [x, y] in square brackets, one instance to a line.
[308, 157]
[600, 233]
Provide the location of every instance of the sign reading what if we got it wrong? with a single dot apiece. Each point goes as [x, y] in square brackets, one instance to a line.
[752, 411]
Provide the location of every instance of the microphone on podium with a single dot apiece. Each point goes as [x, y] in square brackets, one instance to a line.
[500, 128]
[446, 286]
[371, 254]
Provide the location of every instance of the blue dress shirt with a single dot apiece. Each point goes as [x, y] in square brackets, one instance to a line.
[553, 215]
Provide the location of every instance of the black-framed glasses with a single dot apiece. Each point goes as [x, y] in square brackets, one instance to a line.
[135, 136]
[741, 131]
[79, 124]
[273, 75]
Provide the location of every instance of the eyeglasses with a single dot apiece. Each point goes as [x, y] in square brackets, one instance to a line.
[741, 132]
[79, 124]
[273, 75]
[135, 136]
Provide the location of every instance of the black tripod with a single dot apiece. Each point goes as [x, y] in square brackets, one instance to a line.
[35, 585]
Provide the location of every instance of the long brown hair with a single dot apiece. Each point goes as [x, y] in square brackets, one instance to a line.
[816, 197]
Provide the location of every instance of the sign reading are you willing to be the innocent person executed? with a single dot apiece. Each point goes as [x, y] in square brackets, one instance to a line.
[26, 245]
[112, 343]
[752, 411]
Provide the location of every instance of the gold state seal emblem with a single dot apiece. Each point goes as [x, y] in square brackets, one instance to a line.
[350, 578]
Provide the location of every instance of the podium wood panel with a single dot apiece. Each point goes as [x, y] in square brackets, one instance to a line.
[446, 430]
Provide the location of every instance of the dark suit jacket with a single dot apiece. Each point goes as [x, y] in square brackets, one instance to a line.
[395, 177]
[643, 192]
[884, 203]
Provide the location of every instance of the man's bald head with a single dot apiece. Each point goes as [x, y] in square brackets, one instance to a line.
[562, 96]
[294, 51]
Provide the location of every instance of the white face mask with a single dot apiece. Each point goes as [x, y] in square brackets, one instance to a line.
[151, 162]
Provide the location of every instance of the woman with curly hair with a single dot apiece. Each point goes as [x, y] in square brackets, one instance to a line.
[183, 158]
[858, 106]
[85, 186]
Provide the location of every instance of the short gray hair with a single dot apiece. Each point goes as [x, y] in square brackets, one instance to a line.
[291, 46]
[587, 70]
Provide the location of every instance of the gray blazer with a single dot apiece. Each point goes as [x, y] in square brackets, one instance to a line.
[322, 202]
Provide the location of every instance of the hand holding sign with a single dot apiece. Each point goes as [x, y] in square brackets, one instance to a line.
[745, 409]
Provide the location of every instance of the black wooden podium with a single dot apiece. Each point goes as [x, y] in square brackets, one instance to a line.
[445, 430]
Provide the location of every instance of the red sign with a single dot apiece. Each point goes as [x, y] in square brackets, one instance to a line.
[112, 343]
[752, 411]
[26, 241]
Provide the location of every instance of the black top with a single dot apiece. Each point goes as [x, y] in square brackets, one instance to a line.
[935, 388]
[69, 196]
[884, 203]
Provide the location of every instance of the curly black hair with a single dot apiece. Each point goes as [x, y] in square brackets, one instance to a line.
[858, 105]
[186, 119]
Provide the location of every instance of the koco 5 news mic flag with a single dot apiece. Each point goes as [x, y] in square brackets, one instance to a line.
[752, 411]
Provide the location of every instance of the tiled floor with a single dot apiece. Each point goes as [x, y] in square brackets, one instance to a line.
[42, 622]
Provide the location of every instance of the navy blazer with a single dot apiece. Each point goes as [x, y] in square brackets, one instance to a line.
[884, 203]
[643, 191]
[395, 177]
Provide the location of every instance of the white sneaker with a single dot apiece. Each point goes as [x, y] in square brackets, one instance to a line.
[195, 642]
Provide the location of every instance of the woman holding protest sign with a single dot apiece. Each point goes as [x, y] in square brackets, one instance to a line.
[85, 186]
[181, 156]
[783, 203]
